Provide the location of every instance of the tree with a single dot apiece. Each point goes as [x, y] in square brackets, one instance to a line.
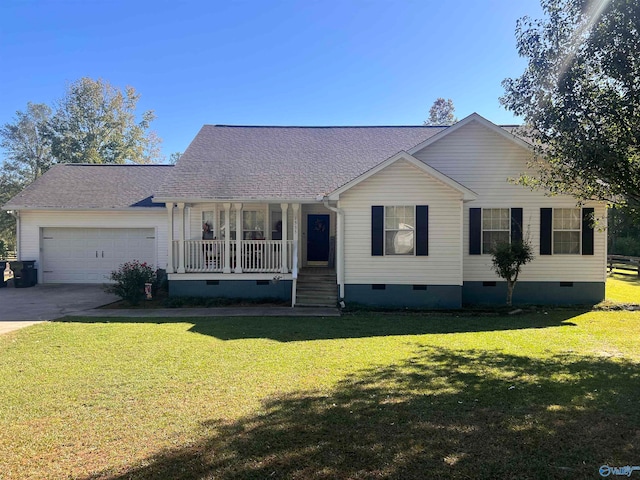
[508, 259]
[96, 123]
[9, 186]
[580, 98]
[174, 157]
[441, 113]
[27, 150]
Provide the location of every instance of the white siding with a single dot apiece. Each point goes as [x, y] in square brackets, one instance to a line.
[31, 221]
[484, 161]
[403, 184]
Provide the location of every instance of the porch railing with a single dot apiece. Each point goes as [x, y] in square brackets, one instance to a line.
[257, 256]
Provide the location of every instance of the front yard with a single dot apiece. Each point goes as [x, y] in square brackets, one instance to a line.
[547, 394]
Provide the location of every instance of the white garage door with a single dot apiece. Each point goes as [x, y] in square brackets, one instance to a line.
[89, 255]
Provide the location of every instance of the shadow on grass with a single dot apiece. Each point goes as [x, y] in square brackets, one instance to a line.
[361, 325]
[441, 414]
[626, 276]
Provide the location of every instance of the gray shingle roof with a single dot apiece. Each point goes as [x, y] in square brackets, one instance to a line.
[226, 162]
[82, 186]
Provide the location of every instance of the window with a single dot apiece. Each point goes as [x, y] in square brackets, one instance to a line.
[496, 227]
[232, 225]
[275, 218]
[399, 225]
[566, 231]
[252, 225]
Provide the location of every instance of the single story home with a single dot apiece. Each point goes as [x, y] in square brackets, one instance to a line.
[396, 216]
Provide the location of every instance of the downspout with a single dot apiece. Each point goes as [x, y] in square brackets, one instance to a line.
[339, 245]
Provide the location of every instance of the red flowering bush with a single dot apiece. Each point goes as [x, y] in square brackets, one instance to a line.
[130, 279]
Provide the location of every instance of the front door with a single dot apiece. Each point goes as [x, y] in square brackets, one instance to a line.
[317, 238]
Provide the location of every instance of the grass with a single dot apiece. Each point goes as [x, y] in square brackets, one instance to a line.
[547, 394]
[623, 286]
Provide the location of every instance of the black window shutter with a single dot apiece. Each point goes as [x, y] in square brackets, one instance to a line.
[546, 219]
[377, 230]
[475, 231]
[516, 225]
[587, 231]
[422, 230]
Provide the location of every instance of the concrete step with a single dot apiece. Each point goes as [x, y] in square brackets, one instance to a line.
[317, 288]
[315, 296]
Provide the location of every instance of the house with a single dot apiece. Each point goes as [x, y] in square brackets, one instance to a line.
[398, 216]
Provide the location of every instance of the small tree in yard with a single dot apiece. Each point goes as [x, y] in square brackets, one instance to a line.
[508, 259]
[130, 279]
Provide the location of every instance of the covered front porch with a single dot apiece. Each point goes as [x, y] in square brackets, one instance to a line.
[249, 238]
[244, 238]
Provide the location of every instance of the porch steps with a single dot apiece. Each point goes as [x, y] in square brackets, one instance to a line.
[316, 288]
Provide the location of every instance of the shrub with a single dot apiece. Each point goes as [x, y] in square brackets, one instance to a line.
[508, 259]
[626, 246]
[3, 250]
[130, 279]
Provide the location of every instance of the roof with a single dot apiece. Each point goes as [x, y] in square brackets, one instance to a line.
[251, 162]
[91, 186]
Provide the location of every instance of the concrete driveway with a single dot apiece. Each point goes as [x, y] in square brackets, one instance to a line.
[24, 306]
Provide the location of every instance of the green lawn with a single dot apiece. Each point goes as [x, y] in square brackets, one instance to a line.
[548, 394]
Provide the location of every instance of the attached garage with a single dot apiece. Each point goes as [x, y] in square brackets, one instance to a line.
[89, 255]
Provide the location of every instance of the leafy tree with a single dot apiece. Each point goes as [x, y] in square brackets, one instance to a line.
[508, 259]
[174, 157]
[27, 150]
[442, 112]
[9, 186]
[96, 123]
[580, 98]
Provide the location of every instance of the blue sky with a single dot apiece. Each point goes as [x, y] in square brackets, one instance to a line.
[267, 62]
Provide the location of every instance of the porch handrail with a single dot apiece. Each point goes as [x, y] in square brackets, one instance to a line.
[204, 255]
[261, 255]
[257, 256]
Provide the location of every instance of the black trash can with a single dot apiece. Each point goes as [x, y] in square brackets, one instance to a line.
[24, 273]
[3, 265]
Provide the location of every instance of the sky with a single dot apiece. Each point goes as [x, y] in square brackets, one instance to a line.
[266, 62]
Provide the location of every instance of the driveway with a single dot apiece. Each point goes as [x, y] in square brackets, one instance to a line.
[25, 306]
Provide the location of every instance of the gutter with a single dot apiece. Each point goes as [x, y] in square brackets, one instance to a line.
[339, 245]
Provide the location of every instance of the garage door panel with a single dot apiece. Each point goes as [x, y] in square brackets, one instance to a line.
[77, 255]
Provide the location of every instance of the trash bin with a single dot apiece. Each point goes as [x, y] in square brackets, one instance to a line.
[3, 265]
[24, 273]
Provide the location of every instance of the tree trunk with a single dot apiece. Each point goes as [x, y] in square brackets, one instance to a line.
[509, 292]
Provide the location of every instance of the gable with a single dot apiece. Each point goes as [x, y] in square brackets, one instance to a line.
[402, 158]
[480, 158]
[401, 182]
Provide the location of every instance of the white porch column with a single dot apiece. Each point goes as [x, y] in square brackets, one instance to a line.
[238, 209]
[296, 235]
[294, 267]
[340, 249]
[181, 238]
[227, 238]
[170, 237]
[285, 267]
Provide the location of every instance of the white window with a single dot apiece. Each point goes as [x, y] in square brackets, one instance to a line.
[496, 227]
[275, 218]
[399, 237]
[232, 225]
[566, 231]
[253, 225]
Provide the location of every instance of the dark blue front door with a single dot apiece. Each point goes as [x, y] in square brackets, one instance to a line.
[317, 238]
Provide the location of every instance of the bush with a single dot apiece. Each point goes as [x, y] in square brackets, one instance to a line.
[628, 246]
[130, 279]
[3, 250]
